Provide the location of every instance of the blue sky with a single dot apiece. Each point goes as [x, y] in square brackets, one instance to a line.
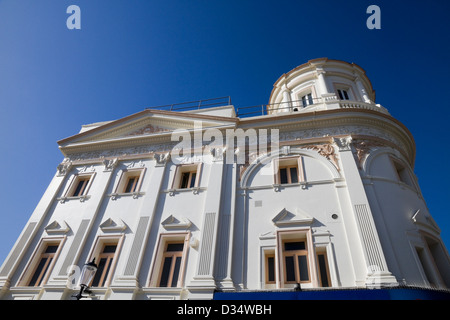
[132, 54]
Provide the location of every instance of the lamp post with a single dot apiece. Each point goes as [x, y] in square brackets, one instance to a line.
[87, 274]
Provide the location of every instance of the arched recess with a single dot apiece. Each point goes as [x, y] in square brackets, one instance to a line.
[398, 163]
[283, 152]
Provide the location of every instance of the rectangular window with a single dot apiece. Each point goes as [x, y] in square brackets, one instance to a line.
[289, 170]
[131, 184]
[324, 276]
[187, 176]
[343, 94]
[295, 258]
[104, 263]
[270, 267]
[288, 174]
[188, 179]
[81, 184]
[130, 181]
[170, 270]
[307, 100]
[43, 266]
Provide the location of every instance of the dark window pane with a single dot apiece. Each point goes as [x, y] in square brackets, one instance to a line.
[310, 99]
[45, 271]
[289, 246]
[165, 272]
[98, 274]
[303, 267]
[37, 273]
[184, 180]
[192, 180]
[283, 175]
[176, 271]
[109, 249]
[304, 103]
[108, 267]
[171, 247]
[131, 186]
[345, 95]
[51, 249]
[294, 175]
[79, 188]
[271, 269]
[290, 270]
[323, 270]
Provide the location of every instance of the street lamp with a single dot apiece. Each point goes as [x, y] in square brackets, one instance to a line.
[87, 274]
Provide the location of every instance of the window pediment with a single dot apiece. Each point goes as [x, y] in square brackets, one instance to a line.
[173, 222]
[287, 218]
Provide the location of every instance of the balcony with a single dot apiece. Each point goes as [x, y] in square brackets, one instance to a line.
[326, 102]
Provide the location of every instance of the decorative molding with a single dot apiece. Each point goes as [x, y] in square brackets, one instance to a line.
[325, 150]
[172, 223]
[64, 167]
[286, 218]
[148, 129]
[269, 235]
[363, 148]
[135, 195]
[344, 144]
[57, 228]
[218, 153]
[82, 198]
[109, 225]
[110, 164]
[161, 158]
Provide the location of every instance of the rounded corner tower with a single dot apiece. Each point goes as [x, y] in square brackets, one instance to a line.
[368, 215]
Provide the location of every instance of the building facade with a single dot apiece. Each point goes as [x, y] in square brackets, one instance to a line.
[316, 191]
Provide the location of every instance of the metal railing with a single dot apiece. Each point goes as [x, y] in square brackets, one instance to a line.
[264, 109]
[194, 105]
[298, 105]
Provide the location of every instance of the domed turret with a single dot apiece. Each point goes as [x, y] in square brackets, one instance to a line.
[323, 84]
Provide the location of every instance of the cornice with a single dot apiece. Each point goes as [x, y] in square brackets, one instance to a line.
[297, 127]
[117, 124]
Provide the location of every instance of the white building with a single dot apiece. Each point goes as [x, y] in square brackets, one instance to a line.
[329, 202]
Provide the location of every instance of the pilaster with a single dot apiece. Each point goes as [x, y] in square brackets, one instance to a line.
[203, 283]
[377, 273]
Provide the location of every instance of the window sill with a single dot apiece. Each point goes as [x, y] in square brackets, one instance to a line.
[81, 198]
[135, 195]
[195, 190]
[279, 186]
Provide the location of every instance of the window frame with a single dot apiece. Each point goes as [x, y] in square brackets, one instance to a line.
[97, 252]
[160, 253]
[187, 168]
[89, 177]
[173, 255]
[295, 254]
[294, 235]
[308, 101]
[322, 251]
[126, 175]
[270, 253]
[36, 258]
[288, 163]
